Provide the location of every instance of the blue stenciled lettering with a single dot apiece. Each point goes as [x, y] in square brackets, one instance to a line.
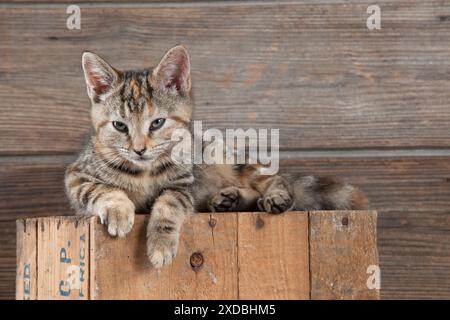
[63, 256]
[82, 262]
[26, 280]
[64, 292]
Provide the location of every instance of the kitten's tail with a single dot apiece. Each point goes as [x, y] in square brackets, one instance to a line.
[359, 200]
[326, 193]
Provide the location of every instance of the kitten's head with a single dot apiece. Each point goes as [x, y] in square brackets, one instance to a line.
[135, 112]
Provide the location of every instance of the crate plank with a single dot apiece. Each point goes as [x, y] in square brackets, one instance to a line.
[63, 258]
[26, 274]
[343, 249]
[273, 256]
[122, 274]
[331, 83]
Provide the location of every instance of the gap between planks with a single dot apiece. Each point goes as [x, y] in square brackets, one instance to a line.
[170, 4]
[284, 154]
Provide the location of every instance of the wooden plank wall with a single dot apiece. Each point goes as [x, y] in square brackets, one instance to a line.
[370, 106]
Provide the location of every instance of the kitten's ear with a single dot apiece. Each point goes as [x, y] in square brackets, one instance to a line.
[174, 71]
[100, 76]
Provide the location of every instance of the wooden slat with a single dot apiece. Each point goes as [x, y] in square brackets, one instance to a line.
[273, 256]
[343, 249]
[33, 187]
[408, 184]
[63, 258]
[26, 274]
[114, 274]
[313, 70]
[415, 254]
[110, 3]
[7, 259]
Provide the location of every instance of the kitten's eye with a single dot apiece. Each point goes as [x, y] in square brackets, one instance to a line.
[120, 126]
[158, 123]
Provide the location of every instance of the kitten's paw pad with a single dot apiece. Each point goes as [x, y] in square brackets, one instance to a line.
[161, 249]
[226, 200]
[119, 220]
[275, 202]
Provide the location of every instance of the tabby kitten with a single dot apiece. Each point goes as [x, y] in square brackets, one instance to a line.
[126, 165]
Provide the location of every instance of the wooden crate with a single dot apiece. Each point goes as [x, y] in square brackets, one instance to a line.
[297, 255]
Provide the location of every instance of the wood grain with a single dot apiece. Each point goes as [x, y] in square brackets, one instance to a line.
[215, 279]
[26, 274]
[343, 246]
[33, 187]
[7, 259]
[312, 70]
[273, 256]
[62, 272]
[411, 194]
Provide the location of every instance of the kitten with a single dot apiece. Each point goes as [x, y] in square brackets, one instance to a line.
[221, 188]
[126, 165]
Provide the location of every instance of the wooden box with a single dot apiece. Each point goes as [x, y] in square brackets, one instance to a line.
[296, 255]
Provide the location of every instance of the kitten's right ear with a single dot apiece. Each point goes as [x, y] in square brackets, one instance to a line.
[100, 76]
[173, 71]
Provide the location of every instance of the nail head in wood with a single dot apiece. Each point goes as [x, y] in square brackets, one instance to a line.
[196, 260]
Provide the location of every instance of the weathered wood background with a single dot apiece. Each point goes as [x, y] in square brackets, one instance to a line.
[370, 106]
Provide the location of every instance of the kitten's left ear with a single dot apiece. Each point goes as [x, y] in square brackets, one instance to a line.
[174, 71]
[101, 78]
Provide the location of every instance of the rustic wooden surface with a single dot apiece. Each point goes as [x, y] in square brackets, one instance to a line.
[26, 276]
[129, 275]
[371, 106]
[299, 67]
[221, 256]
[273, 248]
[338, 267]
[66, 246]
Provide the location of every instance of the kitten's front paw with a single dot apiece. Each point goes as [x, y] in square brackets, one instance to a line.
[226, 200]
[277, 201]
[118, 217]
[162, 246]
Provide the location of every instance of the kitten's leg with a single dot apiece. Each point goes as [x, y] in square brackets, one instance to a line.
[163, 230]
[113, 206]
[277, 194]
[234, 199]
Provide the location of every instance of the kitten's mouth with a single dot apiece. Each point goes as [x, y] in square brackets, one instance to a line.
[143, 158]
[151, 154]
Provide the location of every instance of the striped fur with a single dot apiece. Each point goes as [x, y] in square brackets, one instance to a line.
[109, 178]
[241, 188]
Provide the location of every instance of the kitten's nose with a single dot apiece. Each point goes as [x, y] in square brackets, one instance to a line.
[140, 152]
